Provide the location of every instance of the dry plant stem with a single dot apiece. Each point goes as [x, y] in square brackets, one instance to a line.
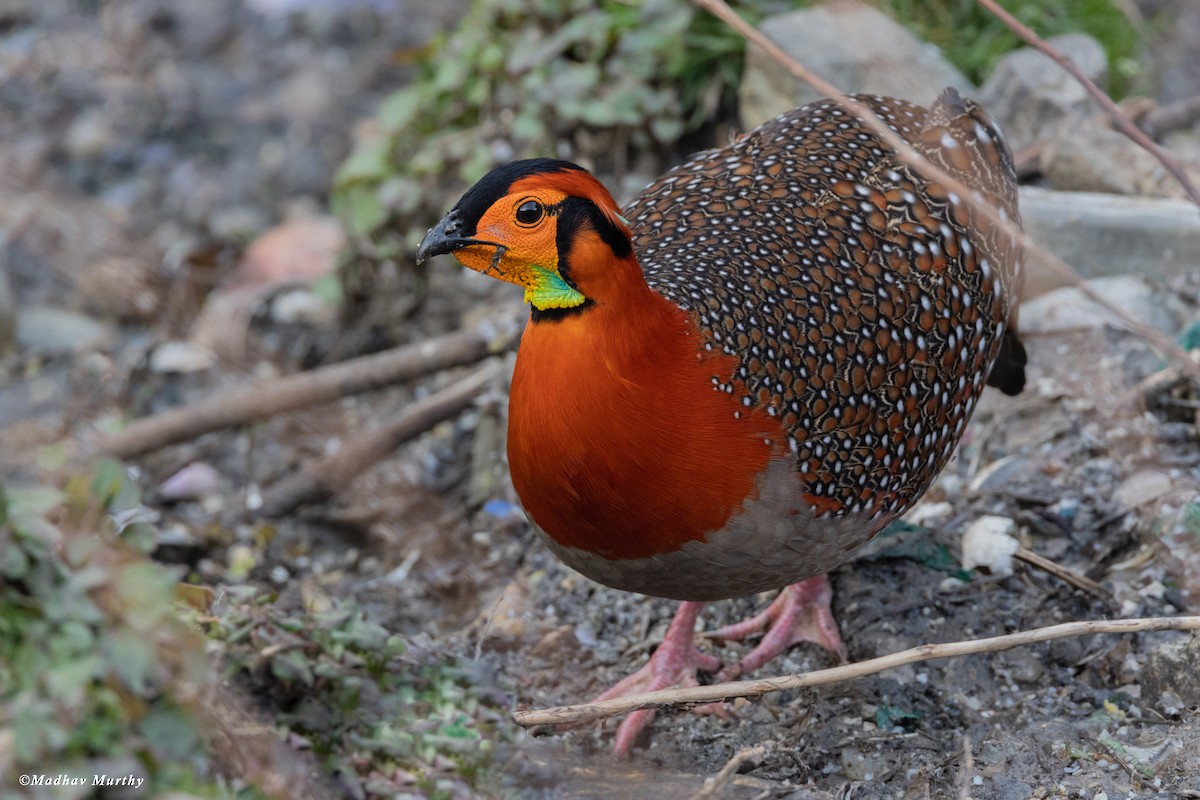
[717, 785]
[1158, 122]
[266, 398]
[718, 692]
[933, 172]
[326, 477]
[1119, 117]
[1070, 576]
[967, 771]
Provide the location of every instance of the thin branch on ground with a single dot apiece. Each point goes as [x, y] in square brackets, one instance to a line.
[717, 785]
[967, 771]
[326, 477]
[909, 155]
[266, 398]
[718, 692]
[1119, 117]
[1158, 122]
[1059, 571]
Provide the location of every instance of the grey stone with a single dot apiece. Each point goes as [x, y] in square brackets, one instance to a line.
[855, 47]
[1068, 309]
[1090, 157]
[1030, 95]
[1105, 234]
[1173, 668]
[56, 331]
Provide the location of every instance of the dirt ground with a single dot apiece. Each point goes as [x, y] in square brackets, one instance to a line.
[177, 140]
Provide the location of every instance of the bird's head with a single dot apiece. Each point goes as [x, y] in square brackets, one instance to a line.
[545, 225]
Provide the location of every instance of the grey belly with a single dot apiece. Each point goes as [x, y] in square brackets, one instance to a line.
[773, 541]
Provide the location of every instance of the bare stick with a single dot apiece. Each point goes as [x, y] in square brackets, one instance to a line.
[1158, 122]
[932, 171]
[1119, 117]
[968, 769]
[326, 477]
[266, 398]
[717, 785]
[1070, 576]
[717, 692]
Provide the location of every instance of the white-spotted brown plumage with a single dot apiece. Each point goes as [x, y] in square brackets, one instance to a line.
[864, 304]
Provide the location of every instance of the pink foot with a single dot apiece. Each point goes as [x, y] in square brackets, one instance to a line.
[801, 613]
[674, 663]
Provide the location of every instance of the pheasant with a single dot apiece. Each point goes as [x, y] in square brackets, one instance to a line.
[734, 383]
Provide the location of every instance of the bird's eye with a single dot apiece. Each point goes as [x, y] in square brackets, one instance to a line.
[530, 212]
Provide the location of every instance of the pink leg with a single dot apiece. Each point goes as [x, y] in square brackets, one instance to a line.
[801, 613]
[675, 662]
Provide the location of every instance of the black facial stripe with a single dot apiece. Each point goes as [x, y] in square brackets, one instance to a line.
[475, 203]
[578, 214]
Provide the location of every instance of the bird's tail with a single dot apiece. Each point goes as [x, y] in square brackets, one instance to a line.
[962, 138]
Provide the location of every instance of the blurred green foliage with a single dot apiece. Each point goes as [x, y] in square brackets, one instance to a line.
[975, 40]
[533, 77]
[602, 81]
[388, 718]
[83, 688]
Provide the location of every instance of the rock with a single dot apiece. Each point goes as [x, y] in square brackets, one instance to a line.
[989, 543]
[855, 47]
[1067, 309]
[1090, 157]
[1030, 95]
[1104, 234]
[1141, 487]
[506, 620]
[194, 482]
[1173, 669]
[297, 250]
[181, 358]
[56, 331]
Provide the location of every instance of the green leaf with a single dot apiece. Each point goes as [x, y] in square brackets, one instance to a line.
[112, 487]
[27, 506]
[889, 717]
[369, 162]
[144, 591]
[292, 666]
[131, 656]
[170, 732]
[401, 108]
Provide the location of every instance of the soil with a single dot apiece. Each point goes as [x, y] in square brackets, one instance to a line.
[175, 133]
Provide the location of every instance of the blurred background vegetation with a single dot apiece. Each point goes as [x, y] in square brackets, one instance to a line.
[609, 81]
[107, 658]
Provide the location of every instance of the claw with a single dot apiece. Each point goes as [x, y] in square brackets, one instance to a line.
[801, 613]
[674, 663]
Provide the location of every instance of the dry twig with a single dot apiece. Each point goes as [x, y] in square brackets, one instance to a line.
[967, 772]
[932, 171]
[322, 479]
[1070, 576]
[267, 398]
[718, 692]
[1158, 122]
[717, 784]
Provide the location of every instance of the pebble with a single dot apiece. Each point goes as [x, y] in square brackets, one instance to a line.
[55, 331]
[194, 482]
[181, 357]
[989, 543]
[1142, 487]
